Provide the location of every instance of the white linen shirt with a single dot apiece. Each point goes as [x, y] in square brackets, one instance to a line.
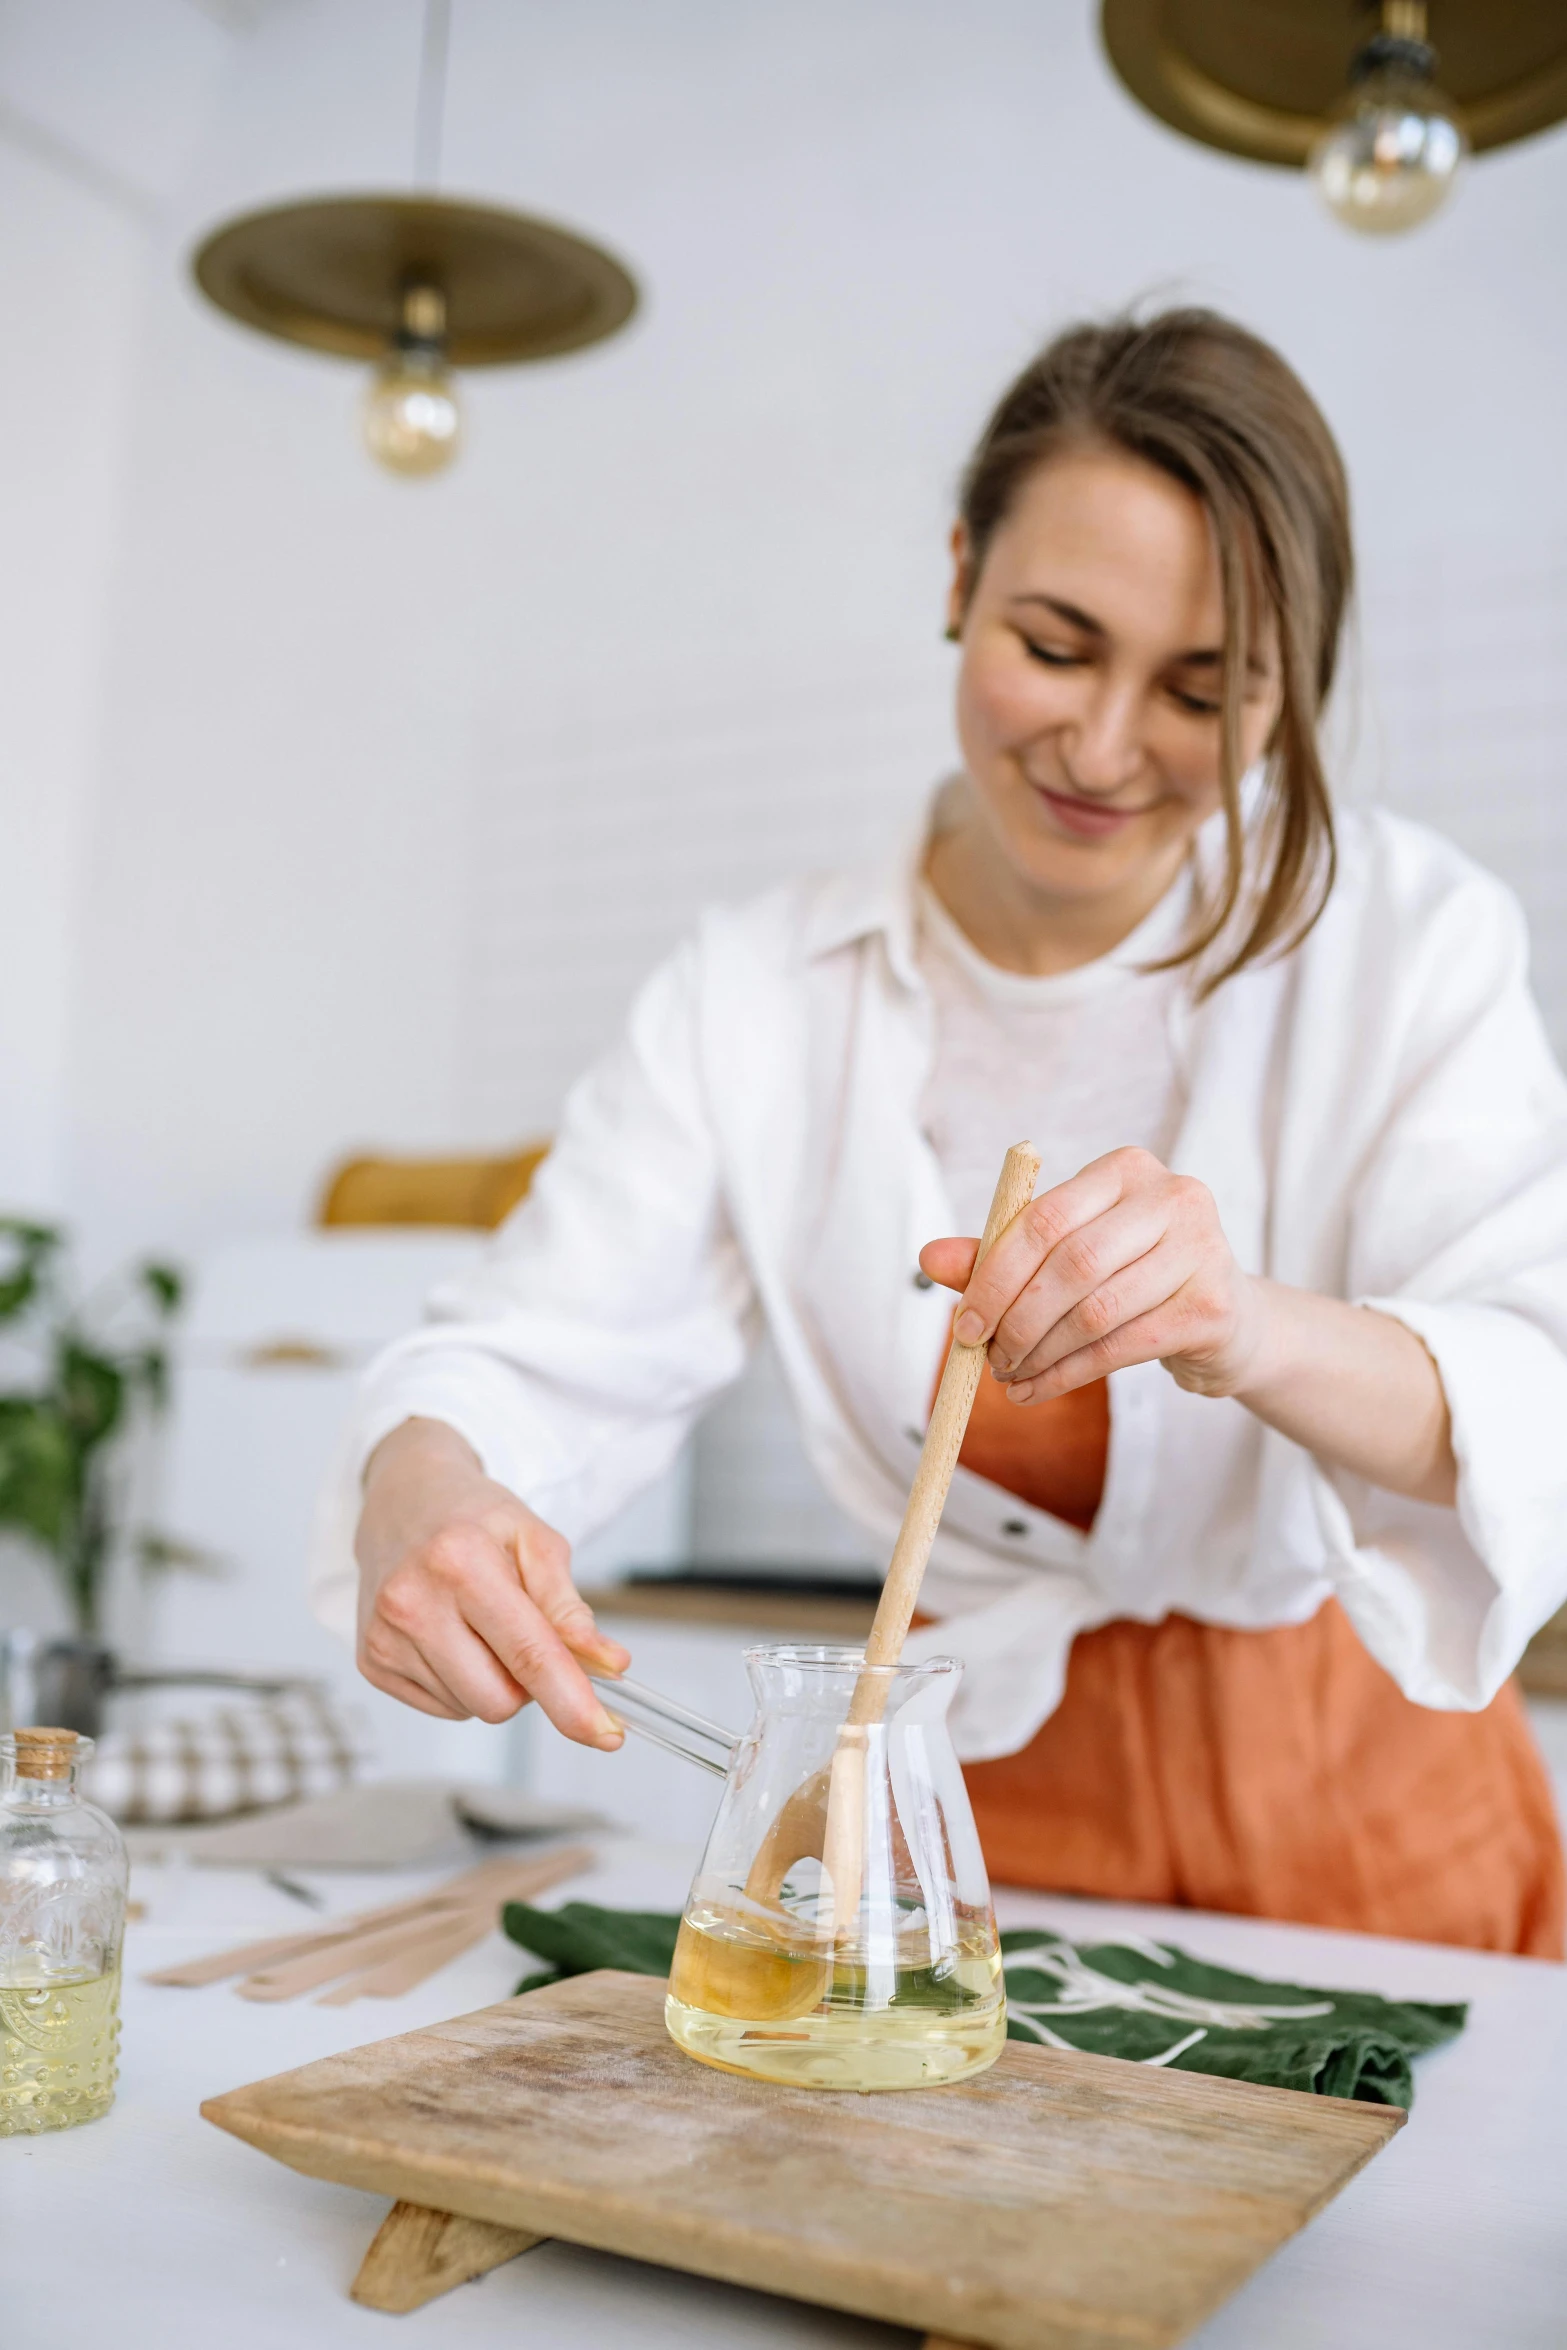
[1377, 1115]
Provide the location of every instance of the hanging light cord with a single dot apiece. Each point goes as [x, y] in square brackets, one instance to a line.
[431, 108]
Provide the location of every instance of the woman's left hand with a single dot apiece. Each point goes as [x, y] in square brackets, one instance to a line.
[1126, 1263]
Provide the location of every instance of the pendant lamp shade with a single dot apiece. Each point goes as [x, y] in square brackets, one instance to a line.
[1262, 78]
[334, 273]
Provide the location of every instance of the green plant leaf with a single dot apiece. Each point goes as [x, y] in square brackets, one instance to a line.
[40, 1472]
[91, 1390]
[158, 1554]
[165, 1284]
[57, 1486]
[28, 1258]
[150, 1372]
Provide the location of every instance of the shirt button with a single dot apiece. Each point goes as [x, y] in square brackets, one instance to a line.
[1014, 1526]
[922, 1280]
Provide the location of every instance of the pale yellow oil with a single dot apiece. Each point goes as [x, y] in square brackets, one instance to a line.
[59, 2052]
[752, 1996]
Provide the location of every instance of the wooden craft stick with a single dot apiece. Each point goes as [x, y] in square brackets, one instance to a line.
[406, 1969]
[194, 1972]
[413, 1964]
[473, 1915]
[842, 1856]
[497, 1874]
[297, 1975]
[244, 1959]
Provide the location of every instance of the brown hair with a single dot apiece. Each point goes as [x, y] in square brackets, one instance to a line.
[1218, 410]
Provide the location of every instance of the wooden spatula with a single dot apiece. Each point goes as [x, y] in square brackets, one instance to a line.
[823, 1818]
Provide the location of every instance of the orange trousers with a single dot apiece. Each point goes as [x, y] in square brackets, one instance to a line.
[1280, 1774]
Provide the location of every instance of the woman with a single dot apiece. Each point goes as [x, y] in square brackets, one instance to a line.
[1268, 1489]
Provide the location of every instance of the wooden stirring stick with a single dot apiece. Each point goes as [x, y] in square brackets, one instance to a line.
[825, 1817]
[461, 1922]
[250, 1955]
[491, 1882]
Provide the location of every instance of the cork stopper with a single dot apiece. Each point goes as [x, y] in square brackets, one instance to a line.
[45, 1753]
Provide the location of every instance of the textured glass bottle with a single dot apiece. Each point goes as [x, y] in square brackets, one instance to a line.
[62, 1915]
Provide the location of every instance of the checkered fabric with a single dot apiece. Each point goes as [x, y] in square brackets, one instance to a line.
[243, 1756]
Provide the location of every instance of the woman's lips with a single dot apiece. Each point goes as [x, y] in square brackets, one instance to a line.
[1089, 819]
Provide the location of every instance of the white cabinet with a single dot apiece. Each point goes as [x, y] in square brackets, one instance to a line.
[268, 1359]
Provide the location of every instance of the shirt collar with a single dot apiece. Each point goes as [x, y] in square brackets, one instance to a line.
[862, 901]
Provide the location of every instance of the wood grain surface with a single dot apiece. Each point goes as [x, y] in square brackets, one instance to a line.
[765, 1612]
[1056, 2202]
[419, 2254]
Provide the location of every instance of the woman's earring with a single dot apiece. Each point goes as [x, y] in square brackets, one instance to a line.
[952, 633]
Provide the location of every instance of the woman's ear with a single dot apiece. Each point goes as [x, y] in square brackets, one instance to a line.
[962, 586]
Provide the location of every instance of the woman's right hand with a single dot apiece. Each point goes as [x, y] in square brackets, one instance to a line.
[466, 1603]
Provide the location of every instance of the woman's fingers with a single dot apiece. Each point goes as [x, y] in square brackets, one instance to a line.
[460, 1605]
[520, 1636]
[1125, 1263]
[414, 1693]
[466, 1595]
[1030, 1238]
[390, 1661]
[418, 1629]
[950, 1262]
[1149, 1338]
[544, 1558]
[1121, 1265]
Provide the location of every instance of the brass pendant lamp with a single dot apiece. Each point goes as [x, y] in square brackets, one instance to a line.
[1380, 100]
[417, 284]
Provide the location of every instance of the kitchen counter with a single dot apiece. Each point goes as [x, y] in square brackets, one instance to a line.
[152, 2228]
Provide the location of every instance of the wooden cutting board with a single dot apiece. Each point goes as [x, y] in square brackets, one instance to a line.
[1056, 2202]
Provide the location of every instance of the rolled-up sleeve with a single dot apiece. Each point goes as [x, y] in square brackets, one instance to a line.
[1460, 1232]
[613, 1305]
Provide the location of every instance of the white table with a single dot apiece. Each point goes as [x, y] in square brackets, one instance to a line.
[151, 2230]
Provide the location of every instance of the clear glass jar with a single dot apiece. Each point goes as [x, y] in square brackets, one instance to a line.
[62, 1916]
[889, 1978]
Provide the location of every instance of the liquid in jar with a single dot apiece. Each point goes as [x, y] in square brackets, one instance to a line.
[757, 1994]
[59, 2052]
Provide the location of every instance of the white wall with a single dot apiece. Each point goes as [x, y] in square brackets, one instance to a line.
[339, 811]
[399, 786]
[95, 122]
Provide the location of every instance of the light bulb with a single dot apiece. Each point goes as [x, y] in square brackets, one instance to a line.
[1393, 148]
[412, 420]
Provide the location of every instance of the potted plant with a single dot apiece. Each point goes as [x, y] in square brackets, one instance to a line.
[94, 1373]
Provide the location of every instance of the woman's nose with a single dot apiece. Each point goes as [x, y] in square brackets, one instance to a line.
[1104, 750]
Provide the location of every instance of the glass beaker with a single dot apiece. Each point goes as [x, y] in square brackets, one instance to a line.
[891, 1981]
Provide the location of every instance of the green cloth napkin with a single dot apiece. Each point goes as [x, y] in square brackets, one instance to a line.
[1147, 2001]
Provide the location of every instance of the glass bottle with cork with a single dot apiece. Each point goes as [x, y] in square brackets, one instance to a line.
[62, 1916]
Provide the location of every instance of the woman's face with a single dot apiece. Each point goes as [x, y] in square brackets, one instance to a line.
[1088, 696]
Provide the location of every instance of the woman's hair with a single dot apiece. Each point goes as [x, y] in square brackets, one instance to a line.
[1218, 410]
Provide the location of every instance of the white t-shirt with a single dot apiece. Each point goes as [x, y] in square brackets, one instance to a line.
[1079, 1062]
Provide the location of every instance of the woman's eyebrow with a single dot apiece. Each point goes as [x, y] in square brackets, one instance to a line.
[1072, 614]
